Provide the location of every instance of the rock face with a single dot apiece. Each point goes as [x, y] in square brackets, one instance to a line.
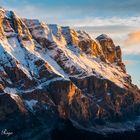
[111, 52]
[50, 73]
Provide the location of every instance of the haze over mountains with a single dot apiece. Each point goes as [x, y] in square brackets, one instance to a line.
[50, 73]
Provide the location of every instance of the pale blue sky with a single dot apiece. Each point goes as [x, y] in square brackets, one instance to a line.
[117, 18]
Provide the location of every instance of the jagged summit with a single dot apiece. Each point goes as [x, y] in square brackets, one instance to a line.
[49, 73]
[103, 36]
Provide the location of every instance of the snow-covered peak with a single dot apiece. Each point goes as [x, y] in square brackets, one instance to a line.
[103, 36]
[66, 52]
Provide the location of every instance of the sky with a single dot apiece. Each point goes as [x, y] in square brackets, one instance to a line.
[120, 19]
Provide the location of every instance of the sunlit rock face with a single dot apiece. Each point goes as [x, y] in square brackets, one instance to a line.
[111, 52]
[50, 73]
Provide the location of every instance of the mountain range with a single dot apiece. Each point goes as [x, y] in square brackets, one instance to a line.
[52, 75]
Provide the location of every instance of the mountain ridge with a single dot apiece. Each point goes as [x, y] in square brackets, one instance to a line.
[49, 73]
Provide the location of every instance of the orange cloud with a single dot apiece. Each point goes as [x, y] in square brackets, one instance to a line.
[133, 38]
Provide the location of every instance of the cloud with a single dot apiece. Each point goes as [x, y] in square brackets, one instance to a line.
[134, 50]
[55, 15]
[130, 62]
[133, 38]
[100, 21]
[132, 43]
[86, 7]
